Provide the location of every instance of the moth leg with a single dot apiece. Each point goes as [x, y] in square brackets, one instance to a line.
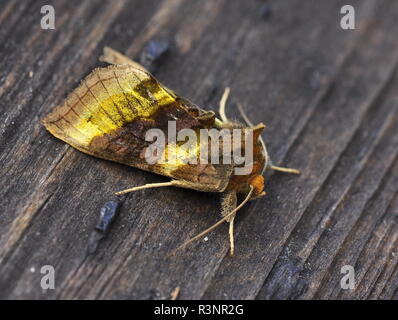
[228, 204]
[112, 56]
[219, 222]
[172, 183]
[223, 102]
[287, 170]
[148, 186]
[231, 235]
[175, 293]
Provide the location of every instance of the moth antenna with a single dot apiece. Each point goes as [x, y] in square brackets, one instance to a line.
[250, 124]
[147, 186]
[287, 170]
[244, 115]
[223, 102]
[214, 226]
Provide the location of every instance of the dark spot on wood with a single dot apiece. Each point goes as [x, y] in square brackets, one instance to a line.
[154, 54]
[265, 11]
[108, 214]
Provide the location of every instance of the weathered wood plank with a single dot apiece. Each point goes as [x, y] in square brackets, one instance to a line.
[328, 98]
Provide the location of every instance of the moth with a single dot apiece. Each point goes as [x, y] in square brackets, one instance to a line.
[110, 112]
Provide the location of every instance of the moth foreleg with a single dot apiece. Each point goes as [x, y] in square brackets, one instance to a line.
[148, 186]
[228, 204]
[219, 222]
[287, 170]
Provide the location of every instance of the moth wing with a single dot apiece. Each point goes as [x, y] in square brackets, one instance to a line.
[108, 116]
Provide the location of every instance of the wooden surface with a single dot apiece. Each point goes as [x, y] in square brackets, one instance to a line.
[329, 98]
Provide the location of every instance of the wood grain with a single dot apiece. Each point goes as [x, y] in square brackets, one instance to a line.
[330, 101]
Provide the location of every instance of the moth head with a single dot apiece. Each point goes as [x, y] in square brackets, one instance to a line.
[257, 182]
